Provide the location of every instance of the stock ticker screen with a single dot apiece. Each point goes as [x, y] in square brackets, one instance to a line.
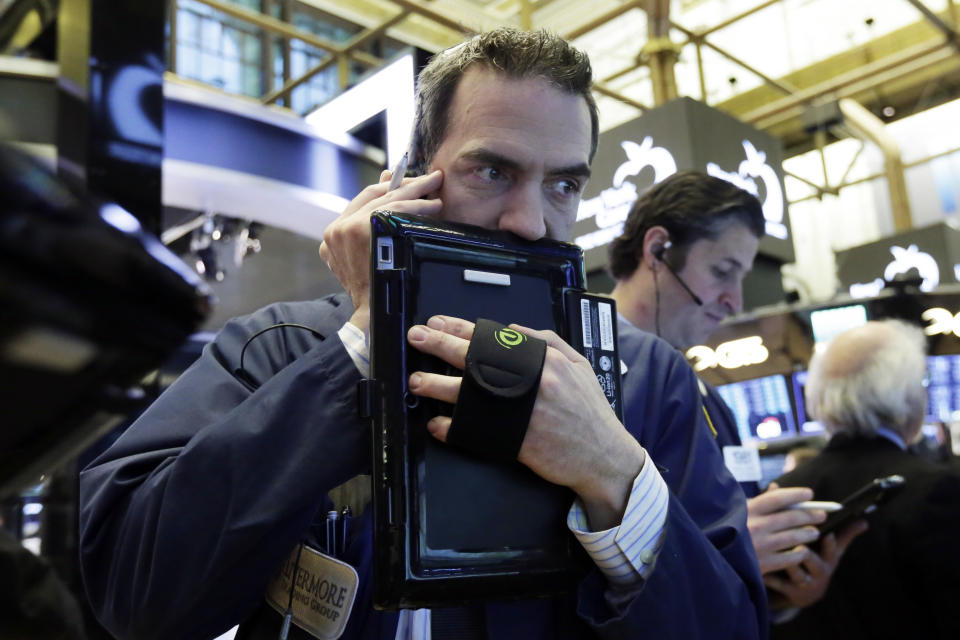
[943, 389]
[761, 408]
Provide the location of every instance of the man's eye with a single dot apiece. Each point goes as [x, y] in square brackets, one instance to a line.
[567, 187]
[721, 274]
[490, 174]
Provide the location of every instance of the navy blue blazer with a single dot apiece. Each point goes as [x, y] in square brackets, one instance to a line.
[187, 516]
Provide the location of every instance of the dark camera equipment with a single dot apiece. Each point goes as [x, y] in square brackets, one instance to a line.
[455, 524]
[89, 303]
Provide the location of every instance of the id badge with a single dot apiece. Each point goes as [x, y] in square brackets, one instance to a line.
[324, 589]
[743, 462]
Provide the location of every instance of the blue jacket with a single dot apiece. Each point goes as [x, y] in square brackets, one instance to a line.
[726, 426]
[184, 520]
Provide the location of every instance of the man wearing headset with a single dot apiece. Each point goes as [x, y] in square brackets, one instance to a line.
[186, 518]
[679, 266]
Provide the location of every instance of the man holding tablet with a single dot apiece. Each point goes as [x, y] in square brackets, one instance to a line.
[186, 519]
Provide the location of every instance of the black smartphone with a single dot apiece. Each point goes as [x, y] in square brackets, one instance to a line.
[861, 502]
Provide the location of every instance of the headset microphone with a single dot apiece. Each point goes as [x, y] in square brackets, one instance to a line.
[658, 254]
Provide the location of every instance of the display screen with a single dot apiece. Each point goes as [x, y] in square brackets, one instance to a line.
[943, 389]
[761, 408]
[828, 323]
[808, 426]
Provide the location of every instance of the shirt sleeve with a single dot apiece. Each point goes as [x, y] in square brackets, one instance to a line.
[626, 553]
[357, 344]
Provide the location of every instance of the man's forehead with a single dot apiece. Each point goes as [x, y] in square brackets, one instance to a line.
[488, 103]
[735, 244]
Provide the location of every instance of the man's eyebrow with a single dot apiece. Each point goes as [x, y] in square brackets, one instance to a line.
[490, 157]
[736, 263]
[581, 170]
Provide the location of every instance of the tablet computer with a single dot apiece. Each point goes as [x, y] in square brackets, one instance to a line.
[449, 527]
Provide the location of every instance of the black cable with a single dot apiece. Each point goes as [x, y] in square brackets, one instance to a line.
[656, 288]
[241, 374]
[247, 380]
[288, 614]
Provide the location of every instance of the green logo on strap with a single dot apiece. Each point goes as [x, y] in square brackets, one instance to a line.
[508, 338]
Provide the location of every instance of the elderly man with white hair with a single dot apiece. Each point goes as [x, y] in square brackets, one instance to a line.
[901, 579]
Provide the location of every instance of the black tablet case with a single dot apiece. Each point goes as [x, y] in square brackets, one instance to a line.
[449, 527]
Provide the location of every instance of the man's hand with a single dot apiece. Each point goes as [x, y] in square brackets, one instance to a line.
[778, 532]
[573, 439]
[346, 240]
[804, 584]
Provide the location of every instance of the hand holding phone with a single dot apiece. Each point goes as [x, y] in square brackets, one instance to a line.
[861, 502]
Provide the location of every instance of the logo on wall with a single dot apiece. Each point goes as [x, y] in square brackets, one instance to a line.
[941, 322]
[754, 167]
[729, 355]
[904, 260]
[612, 206]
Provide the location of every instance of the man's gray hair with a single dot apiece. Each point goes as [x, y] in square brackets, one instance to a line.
[515, 53]
[885, 386]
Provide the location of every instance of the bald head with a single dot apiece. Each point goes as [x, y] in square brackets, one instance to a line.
[853, 350]
[868, 377]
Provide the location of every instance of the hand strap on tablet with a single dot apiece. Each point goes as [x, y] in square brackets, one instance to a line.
[499, 388]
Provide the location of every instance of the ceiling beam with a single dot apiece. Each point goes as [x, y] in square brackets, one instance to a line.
[604, 90]
[737, 18]
[602, 19]
[343, 51]
[935, 20]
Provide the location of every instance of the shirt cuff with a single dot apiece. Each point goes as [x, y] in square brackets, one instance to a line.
[626, 553]
[357, 344]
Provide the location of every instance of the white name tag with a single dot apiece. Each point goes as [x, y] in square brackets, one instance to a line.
[323, 592]
[743, 462]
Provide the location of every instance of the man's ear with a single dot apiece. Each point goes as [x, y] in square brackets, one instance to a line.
[654, 243]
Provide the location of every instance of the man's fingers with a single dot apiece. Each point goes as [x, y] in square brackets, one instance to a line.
[552, 340]
[785, 539]
[777, 499]
[449, 348]
[454, 326]
[783, 520]
[439, 427]
[798, 575]
[828, 548]
[416, 188]
[775, 582]
[780, 561]
[416, 207]
[436, 386]
[817, 565]
[378, 196]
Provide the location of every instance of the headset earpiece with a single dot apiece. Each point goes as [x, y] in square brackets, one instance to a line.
[659, 250]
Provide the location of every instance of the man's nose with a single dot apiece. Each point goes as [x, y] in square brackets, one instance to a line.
[732, 298]
[523, 212]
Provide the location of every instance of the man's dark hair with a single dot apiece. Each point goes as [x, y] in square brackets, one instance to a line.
[517, 54]
[691, 206]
